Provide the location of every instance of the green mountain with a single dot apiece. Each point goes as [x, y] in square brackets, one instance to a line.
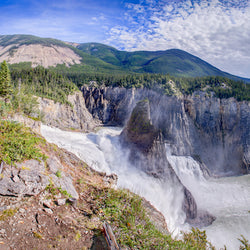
[174, 61]
[100, 58]
[20, 49]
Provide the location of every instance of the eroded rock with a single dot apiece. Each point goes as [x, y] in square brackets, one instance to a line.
[25, 179]
[148, 152]
[31, 177]
[64, 116]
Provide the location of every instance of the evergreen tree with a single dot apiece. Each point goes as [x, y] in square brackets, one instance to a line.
[5, 80]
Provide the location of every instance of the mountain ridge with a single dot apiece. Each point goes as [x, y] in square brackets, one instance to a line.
[176, 57]
[97, 57]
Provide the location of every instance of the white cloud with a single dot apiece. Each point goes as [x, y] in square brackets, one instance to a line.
[217, 31]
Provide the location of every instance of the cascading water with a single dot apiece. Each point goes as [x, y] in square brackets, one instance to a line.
[228, 199]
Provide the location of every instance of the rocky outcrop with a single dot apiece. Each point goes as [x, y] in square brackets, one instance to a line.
[215, 131]
[65, 116]
[31, 177]
[155, 216]
[24, 179]
[148, 152]
[111, 106]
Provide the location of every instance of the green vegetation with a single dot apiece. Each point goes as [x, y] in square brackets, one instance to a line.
[4, 215]
[133, 227]
[24, 102]
[5, 81]
[245, 243]
[15, 99]
[59, 173]
[43, 82]
[107, 66]
[96, 57]
[18, 143]
[53, 190]
[57, 86]
[5, 108]
[175, 62]
[220, 87]
[78, 236]
[37, 235]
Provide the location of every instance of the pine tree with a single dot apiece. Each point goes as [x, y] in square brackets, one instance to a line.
[5, 80]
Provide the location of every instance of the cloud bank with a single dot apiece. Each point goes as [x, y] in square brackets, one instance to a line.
[216, 31]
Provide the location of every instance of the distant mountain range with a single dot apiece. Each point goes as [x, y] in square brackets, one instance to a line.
[96, 57]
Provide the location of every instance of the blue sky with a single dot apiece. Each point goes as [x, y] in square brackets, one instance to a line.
[217, 31]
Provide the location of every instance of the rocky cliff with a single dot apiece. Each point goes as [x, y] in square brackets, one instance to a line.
[148, 152]
[214, 131]
[65, 116]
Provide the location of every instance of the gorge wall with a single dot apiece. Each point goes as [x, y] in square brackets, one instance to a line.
[75, 116]
[214, 131]
[148, 152]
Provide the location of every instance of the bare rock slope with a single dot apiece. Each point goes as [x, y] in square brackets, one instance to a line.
[39, 54]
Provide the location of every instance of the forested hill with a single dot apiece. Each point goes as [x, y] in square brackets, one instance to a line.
[95, 57]
[174, 61]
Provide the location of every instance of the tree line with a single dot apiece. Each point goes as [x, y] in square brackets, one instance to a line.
[44, 83]
[218, 86]
[57, 86]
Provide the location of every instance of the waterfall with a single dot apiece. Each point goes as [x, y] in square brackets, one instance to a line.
[226, 198]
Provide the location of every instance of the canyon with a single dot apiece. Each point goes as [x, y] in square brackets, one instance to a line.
[211, 130]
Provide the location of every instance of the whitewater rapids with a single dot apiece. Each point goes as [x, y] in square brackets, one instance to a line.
[226, 198]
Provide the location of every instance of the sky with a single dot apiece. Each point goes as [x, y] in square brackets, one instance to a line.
[217, 31]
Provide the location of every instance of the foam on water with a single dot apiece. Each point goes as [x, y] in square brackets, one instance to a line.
[228, 198]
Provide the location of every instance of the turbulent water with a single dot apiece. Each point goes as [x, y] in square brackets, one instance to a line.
[226, 198]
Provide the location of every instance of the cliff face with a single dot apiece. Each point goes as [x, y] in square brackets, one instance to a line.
[67, 117]
[148, 152]
[221, 133]
[112, 106]
[213, 131]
